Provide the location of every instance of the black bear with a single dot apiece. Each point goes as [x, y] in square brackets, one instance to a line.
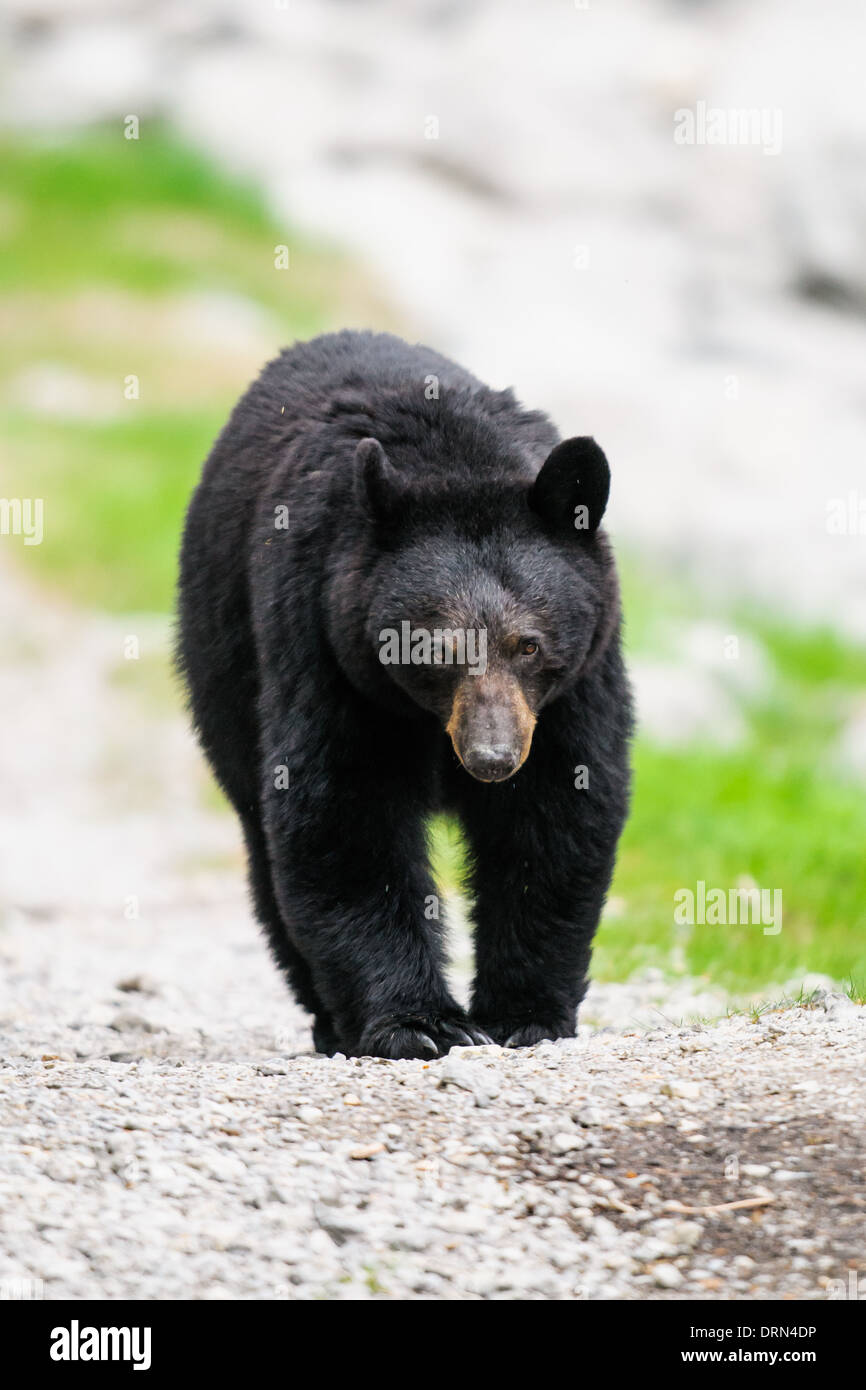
[395, 598]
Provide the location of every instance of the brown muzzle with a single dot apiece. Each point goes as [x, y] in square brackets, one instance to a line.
[491, 725]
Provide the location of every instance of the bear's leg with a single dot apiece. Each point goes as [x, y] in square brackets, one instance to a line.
[533, 937]
[543, 853]
[347, 847]
[217, 657]
[287, 957]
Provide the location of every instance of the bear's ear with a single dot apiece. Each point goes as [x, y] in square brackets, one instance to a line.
[378, 487]
[571, 490]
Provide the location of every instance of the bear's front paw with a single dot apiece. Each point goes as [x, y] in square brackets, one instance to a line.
[514, 1033]
[418, 1035]
[325, 1037]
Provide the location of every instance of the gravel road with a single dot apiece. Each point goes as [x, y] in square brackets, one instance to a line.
[171, 1135]
[167, 1132]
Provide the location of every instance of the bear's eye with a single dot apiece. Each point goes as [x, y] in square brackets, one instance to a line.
[527, 646]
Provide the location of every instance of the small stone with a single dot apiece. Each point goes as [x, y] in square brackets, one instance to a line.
[367, 1151]
[590, 1115]
[564, 1142]
[686, 1234]
[831, 1001]
[602, 1184]
[127, 1022]
[482, 1050]
[224, 1167]
[467, 1076]
[605, 1232]
[464, 1223]
[310, 1114]
[341, 1223]
[682, 1090]
[138, 984]
[483, 1282]
[667, 1276]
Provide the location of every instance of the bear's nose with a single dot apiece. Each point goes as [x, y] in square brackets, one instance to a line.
[491, 762]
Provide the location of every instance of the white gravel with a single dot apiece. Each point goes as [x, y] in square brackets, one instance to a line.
[171, 1135]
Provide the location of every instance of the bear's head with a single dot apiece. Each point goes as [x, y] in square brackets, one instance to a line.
[487, 599]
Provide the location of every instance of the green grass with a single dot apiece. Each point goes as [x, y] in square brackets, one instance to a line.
[148, 215]
[102, 243]
[447, 854]
[763, 813]
[777, 811]
[115, 496]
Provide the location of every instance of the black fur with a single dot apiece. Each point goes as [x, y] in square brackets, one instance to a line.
[440, 518]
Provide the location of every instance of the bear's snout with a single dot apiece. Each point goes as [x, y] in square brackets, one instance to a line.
[491, 726]
[491, 763]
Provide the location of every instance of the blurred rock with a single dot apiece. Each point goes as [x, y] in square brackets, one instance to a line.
[850, 753]
[49, 388]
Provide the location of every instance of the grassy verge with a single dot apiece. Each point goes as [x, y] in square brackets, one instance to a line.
[129, 259]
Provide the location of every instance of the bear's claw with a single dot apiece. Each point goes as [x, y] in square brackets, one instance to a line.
[509, 1033]
[418, 1035]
